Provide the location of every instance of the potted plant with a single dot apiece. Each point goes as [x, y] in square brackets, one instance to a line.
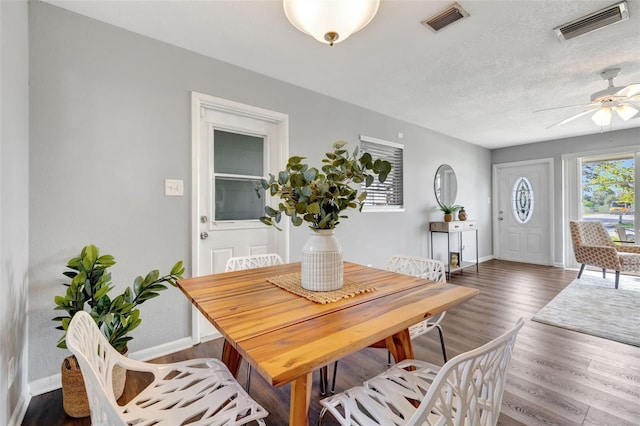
[89, 290]
[319, 198]
[448, 211]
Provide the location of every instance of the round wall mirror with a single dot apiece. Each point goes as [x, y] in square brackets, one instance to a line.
[445, 185]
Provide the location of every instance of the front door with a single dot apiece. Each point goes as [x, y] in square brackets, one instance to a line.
[235, 149]
[523, 219]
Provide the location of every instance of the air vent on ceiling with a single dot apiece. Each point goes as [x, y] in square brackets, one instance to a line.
[445, 18]
[595, 21]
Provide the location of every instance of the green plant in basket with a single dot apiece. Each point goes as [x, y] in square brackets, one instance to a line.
[89, 290]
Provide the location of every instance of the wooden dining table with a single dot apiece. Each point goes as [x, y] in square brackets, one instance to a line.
[286, 337]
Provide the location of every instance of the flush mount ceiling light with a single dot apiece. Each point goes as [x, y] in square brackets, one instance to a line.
[330, 21]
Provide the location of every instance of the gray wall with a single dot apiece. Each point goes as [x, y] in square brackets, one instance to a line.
[14, 211]
[110, 120]
[556, 149]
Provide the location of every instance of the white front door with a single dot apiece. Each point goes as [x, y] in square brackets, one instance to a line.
[523, 221]
[237, 145]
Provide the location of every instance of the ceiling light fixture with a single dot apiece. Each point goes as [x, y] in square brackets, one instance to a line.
[330, 21]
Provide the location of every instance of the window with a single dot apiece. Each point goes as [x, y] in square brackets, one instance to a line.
[522, 200]
[238, 163]
[390, 194]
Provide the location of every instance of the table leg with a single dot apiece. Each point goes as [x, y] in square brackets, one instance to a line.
[231, 358]
[400, 345]
[300, 399]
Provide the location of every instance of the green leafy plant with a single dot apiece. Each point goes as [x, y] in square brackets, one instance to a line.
[319, 196]
[89, 289]
[449, 209]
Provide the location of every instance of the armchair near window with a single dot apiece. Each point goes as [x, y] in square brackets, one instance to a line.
[592, 245]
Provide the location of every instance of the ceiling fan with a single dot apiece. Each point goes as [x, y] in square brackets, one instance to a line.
[619, 99]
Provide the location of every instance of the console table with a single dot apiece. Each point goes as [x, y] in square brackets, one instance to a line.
[456, 228]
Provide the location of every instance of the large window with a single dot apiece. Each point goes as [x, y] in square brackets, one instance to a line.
[388, 195]
[608, 193]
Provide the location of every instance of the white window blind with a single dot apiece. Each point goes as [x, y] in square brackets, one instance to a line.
[390, 194]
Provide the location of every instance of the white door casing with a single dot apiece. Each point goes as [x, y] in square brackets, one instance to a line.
[224, 239]
[531, 241]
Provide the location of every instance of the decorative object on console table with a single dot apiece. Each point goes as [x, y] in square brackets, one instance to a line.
[462, 214]
[89, 287]
[454, 259]
[454, 229]
[448, 211]
[318, 198]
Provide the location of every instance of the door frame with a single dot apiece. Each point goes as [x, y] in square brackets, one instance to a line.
[199, 103]
[494, 208]
[572, 190]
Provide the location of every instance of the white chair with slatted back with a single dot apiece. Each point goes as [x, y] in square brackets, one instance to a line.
[424, 268]
[467, 390]
[201, 389]
[240, 263]
[418, 267]
[254, 261]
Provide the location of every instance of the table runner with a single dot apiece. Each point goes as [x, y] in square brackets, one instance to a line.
[291, 283]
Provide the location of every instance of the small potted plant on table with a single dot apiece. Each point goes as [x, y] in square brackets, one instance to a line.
[448, 211]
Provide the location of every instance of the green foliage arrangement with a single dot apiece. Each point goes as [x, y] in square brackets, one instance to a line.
[319, 197]
[90, 286]
[449, 209]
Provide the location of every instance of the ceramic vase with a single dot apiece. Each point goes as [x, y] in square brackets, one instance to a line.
[448, 217]
[322, 268]
[462, 215]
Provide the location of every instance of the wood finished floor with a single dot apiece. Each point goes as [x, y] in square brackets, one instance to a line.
[556, 376]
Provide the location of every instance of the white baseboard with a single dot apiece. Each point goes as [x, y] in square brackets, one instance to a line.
[486, 258]
[51, 383]
[20, 410]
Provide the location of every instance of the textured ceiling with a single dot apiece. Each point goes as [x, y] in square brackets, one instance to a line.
[478, 80]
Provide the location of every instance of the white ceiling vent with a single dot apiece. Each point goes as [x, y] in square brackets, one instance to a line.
[600, 19]
[445, 18]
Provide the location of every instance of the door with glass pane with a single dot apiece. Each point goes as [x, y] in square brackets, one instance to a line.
[523, 219]
[235, 152]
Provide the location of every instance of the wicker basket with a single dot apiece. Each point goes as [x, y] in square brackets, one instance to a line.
[74, 394]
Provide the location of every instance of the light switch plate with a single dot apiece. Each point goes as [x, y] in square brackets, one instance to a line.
[173, 187]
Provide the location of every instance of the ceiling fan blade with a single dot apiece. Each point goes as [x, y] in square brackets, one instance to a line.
[630, 90]
[569, 106]
[573, 117]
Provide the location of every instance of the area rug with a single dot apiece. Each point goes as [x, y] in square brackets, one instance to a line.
[593, 306]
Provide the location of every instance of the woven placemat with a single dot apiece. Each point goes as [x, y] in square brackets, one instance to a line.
[291, 283]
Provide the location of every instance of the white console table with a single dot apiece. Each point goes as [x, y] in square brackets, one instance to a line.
[456, 228]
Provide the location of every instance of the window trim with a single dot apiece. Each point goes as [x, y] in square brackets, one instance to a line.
[385, 208]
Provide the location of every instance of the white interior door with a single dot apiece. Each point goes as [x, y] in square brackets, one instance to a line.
[236, 148]
[523, 223]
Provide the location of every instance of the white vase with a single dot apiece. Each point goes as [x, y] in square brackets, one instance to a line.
[322, 268]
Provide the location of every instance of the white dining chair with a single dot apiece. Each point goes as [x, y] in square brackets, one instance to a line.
[201, 388]
[418, 267]
[430, 269]
[467, 390]
[239, 263]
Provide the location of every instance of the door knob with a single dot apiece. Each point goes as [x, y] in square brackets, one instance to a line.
[203, 219]
[501, 218]
[204, 235]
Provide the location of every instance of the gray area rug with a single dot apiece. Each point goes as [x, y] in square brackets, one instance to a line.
[593, 306]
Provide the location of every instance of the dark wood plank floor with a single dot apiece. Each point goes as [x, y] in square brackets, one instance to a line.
[557, 377]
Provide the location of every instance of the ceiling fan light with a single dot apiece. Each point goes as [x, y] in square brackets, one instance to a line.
[330, 21]
[626, 111]
[602, 117]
